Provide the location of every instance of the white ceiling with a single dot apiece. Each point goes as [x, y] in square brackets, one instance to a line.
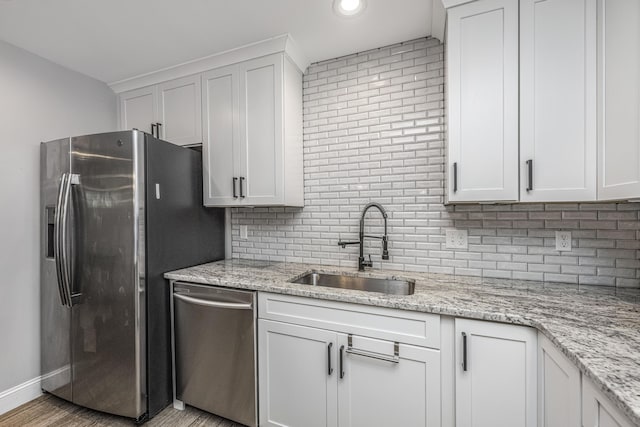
[112, 40]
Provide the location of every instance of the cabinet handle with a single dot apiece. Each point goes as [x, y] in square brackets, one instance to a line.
[241, 189]
[455, 177]
[329, 367]
[341, 362]
[158, 131]
[464, 352]
[235, 196]
[372, 354]
[153, 129]
[530, 174]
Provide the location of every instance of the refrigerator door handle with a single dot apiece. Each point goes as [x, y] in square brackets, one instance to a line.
[64, 229]
[57, 238]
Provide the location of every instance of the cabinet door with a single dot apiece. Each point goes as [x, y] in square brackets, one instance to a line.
[138, 109]
[180, 110]
[496, 387]
[220, 148]
[558, 387]
[558, 100]
[482, 60]
[261, 130]
[598, 411]
[619, 99]
[296, 386]
[374, 392]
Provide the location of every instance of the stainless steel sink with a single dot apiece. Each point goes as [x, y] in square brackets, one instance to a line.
[370, 284]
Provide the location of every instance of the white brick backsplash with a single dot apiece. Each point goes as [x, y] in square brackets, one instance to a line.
[374, 131]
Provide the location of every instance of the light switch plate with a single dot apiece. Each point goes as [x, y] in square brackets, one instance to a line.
[456, 239]
[243, 232]
[563, 240]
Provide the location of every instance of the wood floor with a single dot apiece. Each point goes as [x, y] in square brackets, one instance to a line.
[48, 410]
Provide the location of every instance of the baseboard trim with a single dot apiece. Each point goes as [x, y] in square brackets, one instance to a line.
[23, 393]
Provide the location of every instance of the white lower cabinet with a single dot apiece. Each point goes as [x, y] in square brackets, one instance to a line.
[495, 374]
[375, 392]
[598, 411]
[558, 387]
[326, 363]
[311, 376]
[296, 388]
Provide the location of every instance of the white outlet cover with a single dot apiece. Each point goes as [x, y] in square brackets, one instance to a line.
[563, 240]
[243, 231]
[456, 239]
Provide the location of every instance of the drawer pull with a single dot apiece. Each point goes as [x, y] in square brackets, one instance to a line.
[329, 367]
[372, 354]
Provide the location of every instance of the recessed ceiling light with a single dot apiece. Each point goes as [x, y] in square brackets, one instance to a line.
[348, 7]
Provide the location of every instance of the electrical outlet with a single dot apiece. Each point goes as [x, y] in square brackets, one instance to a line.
[456, 239]
[243, 232]
[563, 240]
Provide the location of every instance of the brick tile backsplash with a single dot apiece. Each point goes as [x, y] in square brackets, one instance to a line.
[374, 131]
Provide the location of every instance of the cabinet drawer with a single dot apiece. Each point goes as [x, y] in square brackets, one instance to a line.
[420, 329]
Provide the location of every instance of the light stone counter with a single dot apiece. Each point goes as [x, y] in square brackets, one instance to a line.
[597, 328]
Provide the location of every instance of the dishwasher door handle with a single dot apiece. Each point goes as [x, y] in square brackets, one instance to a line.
[217, 304]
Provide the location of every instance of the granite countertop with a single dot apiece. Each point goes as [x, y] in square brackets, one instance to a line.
[597, 328]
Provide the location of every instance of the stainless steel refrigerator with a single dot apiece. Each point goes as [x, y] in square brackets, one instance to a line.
[118, 210]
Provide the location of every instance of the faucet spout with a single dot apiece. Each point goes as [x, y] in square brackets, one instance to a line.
[385, 252]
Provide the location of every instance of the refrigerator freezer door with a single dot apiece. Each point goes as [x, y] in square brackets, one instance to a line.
[55, 320]
[108, 349]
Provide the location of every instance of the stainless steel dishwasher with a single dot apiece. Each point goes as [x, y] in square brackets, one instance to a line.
[215, 350]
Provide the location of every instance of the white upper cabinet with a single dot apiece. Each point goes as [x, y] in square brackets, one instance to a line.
[171, 111]
[557, 100]
[180, 111]
[261, 129]
[569, 112]
[482, 61]
[253, 134]
[618, 99]
[558, 388]
[138, 109]
[495, 374]
[244, 106]
[221, 154]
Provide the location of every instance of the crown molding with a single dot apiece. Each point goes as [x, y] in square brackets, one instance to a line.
[283, 43]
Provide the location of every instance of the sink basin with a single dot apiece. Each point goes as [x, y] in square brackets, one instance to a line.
[370, 284]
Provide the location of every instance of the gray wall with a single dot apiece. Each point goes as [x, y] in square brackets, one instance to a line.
[39, 101]
[373, 131]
